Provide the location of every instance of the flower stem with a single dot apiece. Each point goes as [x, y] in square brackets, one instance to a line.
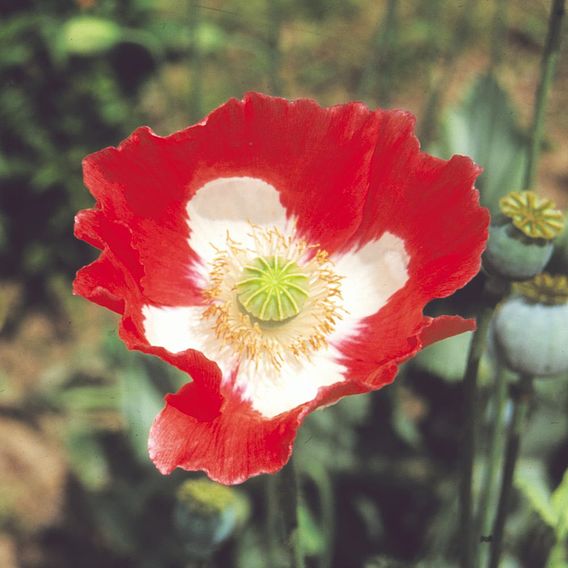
[547, 66]
[521, 397]
[324, 486]
[378, 62]
[274, 51]
[496, 443]
[498, 34]
[283, 522]
[468, 546]
[272, 519]
[289, 505]
[196, 95]
[447, 71]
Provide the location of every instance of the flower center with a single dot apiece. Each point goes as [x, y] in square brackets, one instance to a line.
[272, 298]
[272, 289]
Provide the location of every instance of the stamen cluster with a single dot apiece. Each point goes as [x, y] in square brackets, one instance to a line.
[298, 332]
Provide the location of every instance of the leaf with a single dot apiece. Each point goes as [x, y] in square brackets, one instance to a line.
[557, 556]
[310, 535]
[335, 428]
[87, 459]
[88, 35]
[447, 359]
[531, 482]
[560, 506]
[88, 398]
[141, 402]
[210, 38]
[485, 128]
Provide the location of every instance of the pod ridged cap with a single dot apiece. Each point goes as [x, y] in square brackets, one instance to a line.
[537, 217]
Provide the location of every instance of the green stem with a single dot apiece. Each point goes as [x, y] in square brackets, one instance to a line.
[274, 53]
[468, 546]
[283, 522]
[496, 444]
[547, 66]
[272, 519]
[498, 33]
[377, 64]
[324, 486]
[521, 397]
[196, 91]
[430, 115]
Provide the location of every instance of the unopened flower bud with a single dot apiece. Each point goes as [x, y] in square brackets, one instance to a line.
[531, 327]
[206, 514]
[520, 239]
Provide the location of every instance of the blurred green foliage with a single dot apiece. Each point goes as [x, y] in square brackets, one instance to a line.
[69, 88]
[485, 128]
[378, 472]
[551, 506]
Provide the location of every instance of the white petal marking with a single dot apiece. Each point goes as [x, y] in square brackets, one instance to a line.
[179, 328]
[231, 204]
[273, 392]
[371, 275]
[269, 392]
[175, 329]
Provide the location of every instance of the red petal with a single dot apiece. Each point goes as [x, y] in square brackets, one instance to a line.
[114, 276]
[231, 447]
[389, 337]
[317, 158]
[143, 185]
[101, 282]
[233, 444]
[430, 203]
[443, 327]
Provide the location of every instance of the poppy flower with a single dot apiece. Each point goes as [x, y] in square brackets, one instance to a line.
[281, 254]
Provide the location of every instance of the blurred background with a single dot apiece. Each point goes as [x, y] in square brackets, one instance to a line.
[379, 472]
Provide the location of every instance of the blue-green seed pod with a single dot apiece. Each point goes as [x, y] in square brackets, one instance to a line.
[206, 515]
[531, 327]
[520, 238]
[512, 255]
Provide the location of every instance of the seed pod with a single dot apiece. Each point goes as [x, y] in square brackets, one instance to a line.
[206, 515]
[521, 238]
[531, 327]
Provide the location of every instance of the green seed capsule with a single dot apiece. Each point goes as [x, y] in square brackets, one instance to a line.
[206, 514]
[531, 327]
[512, 255]
[272, 289]
[520, 238]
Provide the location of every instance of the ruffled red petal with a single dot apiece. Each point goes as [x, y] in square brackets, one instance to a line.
[235, 444]
[230, 448]
[142, 185]
[428, 202]
[114, 276]
[444, 327]
[317, 158]
[205, 426]
[432, 205]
